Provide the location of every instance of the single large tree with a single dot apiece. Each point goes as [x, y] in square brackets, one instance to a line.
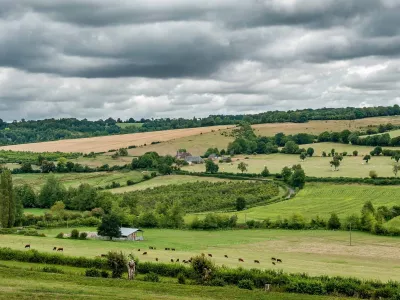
[310, 151]
[367, 158]
[52, 191]
[211, 167]
[242, 166]
[110, 226]
[335, 163]
[396, 169]
[7, 200]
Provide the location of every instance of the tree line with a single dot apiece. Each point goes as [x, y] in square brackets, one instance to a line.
[18, 132]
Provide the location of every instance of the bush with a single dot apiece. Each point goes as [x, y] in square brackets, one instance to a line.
[130, 182]
[117, 263]
[52, 270]
[246, 284]
[83, 236]
[217, 282]
[200, 264]
[152, 277]
[74, 234]
[104, 274]
[92, 273]
[60, 235]
[181, 278]
[373, 174]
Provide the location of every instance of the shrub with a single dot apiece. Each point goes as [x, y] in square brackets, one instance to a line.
[130, 182]
[217, 282]
[104, 274]
[334, 222]
[203, 268]
[60, 235]
[92, 273]
[152, 277]
[181, 278]
[117, 263]
[74, 234]
[52, 270]
[246, 284]
[146, 177]
[373, 174]
[83, 236]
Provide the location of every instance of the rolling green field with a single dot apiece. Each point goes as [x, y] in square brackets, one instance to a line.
[322, 199]
[32, 284]
[103, 159]
[75, 179]
[313, 252]
[351, 166]
[164, 180]
[393, 133]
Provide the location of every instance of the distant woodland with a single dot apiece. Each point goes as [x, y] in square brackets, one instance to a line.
[23, 131]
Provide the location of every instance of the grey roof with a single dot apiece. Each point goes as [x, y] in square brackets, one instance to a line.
[193, 159]
[127, 231]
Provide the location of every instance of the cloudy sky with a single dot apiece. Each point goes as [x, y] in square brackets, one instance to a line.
[180, 58]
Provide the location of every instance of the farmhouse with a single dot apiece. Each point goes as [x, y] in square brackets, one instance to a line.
[131, 234]
[182, 155]
[194, 160]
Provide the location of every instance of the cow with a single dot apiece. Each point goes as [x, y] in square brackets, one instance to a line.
[104, 255]
[60, 249]
[151, 248]
[177, 260]
[210, 255]
[241, 260]
[273, 263]
[273, 258]
[28, 246]
[167, 249]
[156, 258]
[256, 261]
[173, 249]
[138, 249]
[226, 256]
[144, 253]
[172, 260]
[54, 248]
[279, 260]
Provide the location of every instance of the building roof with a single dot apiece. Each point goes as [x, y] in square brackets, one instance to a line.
[128, 231]
[193, 159]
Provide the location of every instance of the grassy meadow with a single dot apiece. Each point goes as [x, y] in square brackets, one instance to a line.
[75, 179]
[322, 199]
[351, 166]
[164, 180]
[32, 284]
[313, 252]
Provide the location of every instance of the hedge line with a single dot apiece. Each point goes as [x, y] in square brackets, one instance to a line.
[284, 282]
[367, 180]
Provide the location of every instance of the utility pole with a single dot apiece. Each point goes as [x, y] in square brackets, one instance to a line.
[350, 233]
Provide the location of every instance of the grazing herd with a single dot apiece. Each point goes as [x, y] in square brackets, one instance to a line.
[256, 261]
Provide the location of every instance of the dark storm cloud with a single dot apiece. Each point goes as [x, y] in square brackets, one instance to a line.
[149, 58]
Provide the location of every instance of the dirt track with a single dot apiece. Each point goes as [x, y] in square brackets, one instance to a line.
[105, 143]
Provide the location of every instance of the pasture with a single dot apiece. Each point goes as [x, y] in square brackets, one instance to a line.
[75, 179]
[31, 283]
[351, 166]
[105, 143]
[164, 180]
[322, 199]
[313, 252]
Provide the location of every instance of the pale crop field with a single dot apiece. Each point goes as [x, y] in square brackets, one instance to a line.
[313, 252]
[351, 166]
[105, 143]
[321, 199]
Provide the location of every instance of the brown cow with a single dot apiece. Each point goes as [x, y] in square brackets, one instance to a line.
[241, 260]
[60, 249]
[279, 260]
[54, 248]
[144, 253]
[156, 258]
[28, 246]
[273, 258]
[173, 249]
[210, 255]
[273, 263]
[256, 261]
[177, 260]
[104, 255]
[172, 260]
[226, 256]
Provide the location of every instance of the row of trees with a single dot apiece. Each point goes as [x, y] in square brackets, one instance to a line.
[10, 207]
[23, 131]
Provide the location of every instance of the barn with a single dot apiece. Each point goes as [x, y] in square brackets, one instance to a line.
[132, 234]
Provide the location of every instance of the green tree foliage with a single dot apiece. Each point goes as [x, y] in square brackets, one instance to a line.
[367, 158]
[355, 153]
[48, 167]
[110, 226]
[310, 151]
[212, 151]
[323, 154]
[147, 219]
[117, 262]
[7, 200]
[26, 195]
[211, 167]
[265, 172]
[242, 166]
[286, 174]
[290, 148]
[58, 209]
[164, 169]
[75, 234]
[123, 152]
[303, 155]
[334, 222]
[240, 203]
[298, 178]
[335, 163]
[396, 169]
[51, 192]
[204, 269]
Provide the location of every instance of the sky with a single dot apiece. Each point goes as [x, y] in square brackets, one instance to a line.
[178, 58]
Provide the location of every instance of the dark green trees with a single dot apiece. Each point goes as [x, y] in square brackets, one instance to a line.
[110, 226]
[7, 200]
